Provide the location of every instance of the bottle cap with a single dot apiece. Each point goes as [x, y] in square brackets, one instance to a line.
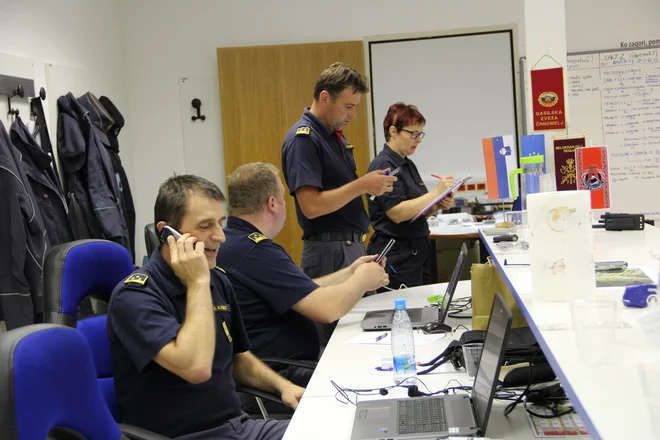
[399, 303]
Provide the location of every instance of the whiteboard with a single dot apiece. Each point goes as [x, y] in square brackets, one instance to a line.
[615, 97]
[465, 86]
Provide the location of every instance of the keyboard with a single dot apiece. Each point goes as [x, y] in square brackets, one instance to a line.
[417, 416]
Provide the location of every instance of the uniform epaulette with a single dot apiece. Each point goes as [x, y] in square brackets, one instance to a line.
[220, 269]
[137, 278]
[257, 237]
[303, 130]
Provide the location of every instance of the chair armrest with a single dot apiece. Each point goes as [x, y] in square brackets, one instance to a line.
[135, 433]
[258, 393]
[303, 364]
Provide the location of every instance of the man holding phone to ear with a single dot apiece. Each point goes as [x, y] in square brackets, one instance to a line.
[176, 334]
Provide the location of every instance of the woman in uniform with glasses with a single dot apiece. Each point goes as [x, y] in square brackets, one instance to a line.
[409, 260]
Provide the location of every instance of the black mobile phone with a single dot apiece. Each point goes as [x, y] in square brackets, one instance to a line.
[166, 232]
[387, 248]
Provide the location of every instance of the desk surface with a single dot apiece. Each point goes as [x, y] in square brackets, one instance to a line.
[609, 398]
[321, 416]
[454, 232]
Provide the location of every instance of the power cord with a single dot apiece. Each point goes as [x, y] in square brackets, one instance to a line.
[539, 398]
[342, 394]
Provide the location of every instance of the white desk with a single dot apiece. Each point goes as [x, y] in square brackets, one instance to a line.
[321, 416]
[609, 398]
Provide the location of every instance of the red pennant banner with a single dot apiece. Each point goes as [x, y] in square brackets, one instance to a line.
[593, 174]
[548, 99]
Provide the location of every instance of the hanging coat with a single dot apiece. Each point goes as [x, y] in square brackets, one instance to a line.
[23, 241]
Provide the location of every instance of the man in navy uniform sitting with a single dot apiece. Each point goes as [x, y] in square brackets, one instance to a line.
[177, 338]
[278, 301]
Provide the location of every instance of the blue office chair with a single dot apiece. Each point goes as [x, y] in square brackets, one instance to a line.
[48, 389]
[74, 271]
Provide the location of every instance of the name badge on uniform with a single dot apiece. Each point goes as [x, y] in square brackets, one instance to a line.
[226, 329]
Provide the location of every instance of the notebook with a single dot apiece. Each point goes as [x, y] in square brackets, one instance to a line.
[435, 201]
[419, 317]
[440, 416]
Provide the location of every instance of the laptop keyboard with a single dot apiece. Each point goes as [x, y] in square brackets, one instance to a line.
[415, 315]
[417, 416]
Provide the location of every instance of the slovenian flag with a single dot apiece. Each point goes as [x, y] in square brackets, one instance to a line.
[500, 159]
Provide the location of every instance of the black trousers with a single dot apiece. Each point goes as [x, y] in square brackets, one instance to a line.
[408, 262]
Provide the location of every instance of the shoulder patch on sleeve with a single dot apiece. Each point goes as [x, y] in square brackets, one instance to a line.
[303, 130]
[137, 278]
[257, 237]
[220, 269]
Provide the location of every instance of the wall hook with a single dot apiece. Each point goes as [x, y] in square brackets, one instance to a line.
[197, 104]
[20, 92]
[42, 96]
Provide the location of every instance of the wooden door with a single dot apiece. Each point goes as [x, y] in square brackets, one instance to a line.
[263, 92]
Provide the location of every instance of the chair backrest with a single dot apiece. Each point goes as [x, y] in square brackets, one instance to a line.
[74, 271]
[151, 238]
[47, 381]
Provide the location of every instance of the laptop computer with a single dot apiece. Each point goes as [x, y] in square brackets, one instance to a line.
[441, 416]
[419, 317]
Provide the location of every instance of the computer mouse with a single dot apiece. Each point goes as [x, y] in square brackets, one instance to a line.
[436, 327]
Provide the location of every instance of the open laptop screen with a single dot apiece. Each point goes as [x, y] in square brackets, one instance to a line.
[491, 359]
[453, 282]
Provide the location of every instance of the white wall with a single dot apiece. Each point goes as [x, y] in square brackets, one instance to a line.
[142, 48]
[81, 34]
[170, 39]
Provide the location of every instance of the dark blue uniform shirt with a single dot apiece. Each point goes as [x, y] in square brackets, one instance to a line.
[312, 156]
[145, 313]
[408, 186]
[267, 283]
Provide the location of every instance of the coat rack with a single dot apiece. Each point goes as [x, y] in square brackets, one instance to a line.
[20, 92]
[13, 86]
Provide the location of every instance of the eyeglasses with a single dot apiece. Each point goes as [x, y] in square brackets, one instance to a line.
[414, 134]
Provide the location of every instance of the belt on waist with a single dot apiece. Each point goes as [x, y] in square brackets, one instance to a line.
[338, 236]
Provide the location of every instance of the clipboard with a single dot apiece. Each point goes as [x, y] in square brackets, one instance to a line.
[435, 201]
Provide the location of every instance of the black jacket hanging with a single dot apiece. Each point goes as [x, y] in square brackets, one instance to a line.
[91, 181]
[44, 183]
[23, 242]
[125, 194]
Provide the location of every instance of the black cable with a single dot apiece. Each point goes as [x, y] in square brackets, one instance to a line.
[552, 408]
[510, 407]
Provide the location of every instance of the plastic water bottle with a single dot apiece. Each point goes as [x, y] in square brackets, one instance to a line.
[403, 343]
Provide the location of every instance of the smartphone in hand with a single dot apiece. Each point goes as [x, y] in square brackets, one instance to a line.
[387, 248]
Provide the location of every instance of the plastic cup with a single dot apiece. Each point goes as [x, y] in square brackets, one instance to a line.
[594, 321]
[471, 356]
[519, 220]
[649, 374]
[547, 183]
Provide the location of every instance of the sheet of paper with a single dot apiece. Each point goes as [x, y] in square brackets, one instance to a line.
[385, 338]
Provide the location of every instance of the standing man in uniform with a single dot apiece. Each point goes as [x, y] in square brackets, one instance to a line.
[176, 335]
[321, 173]
[278, 302]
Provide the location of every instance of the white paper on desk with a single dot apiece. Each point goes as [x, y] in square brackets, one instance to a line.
[370, 338]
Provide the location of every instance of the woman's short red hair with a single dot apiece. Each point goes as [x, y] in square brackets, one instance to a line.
[400, 115]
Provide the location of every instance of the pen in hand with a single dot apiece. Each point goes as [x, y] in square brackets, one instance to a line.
[394, 172]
